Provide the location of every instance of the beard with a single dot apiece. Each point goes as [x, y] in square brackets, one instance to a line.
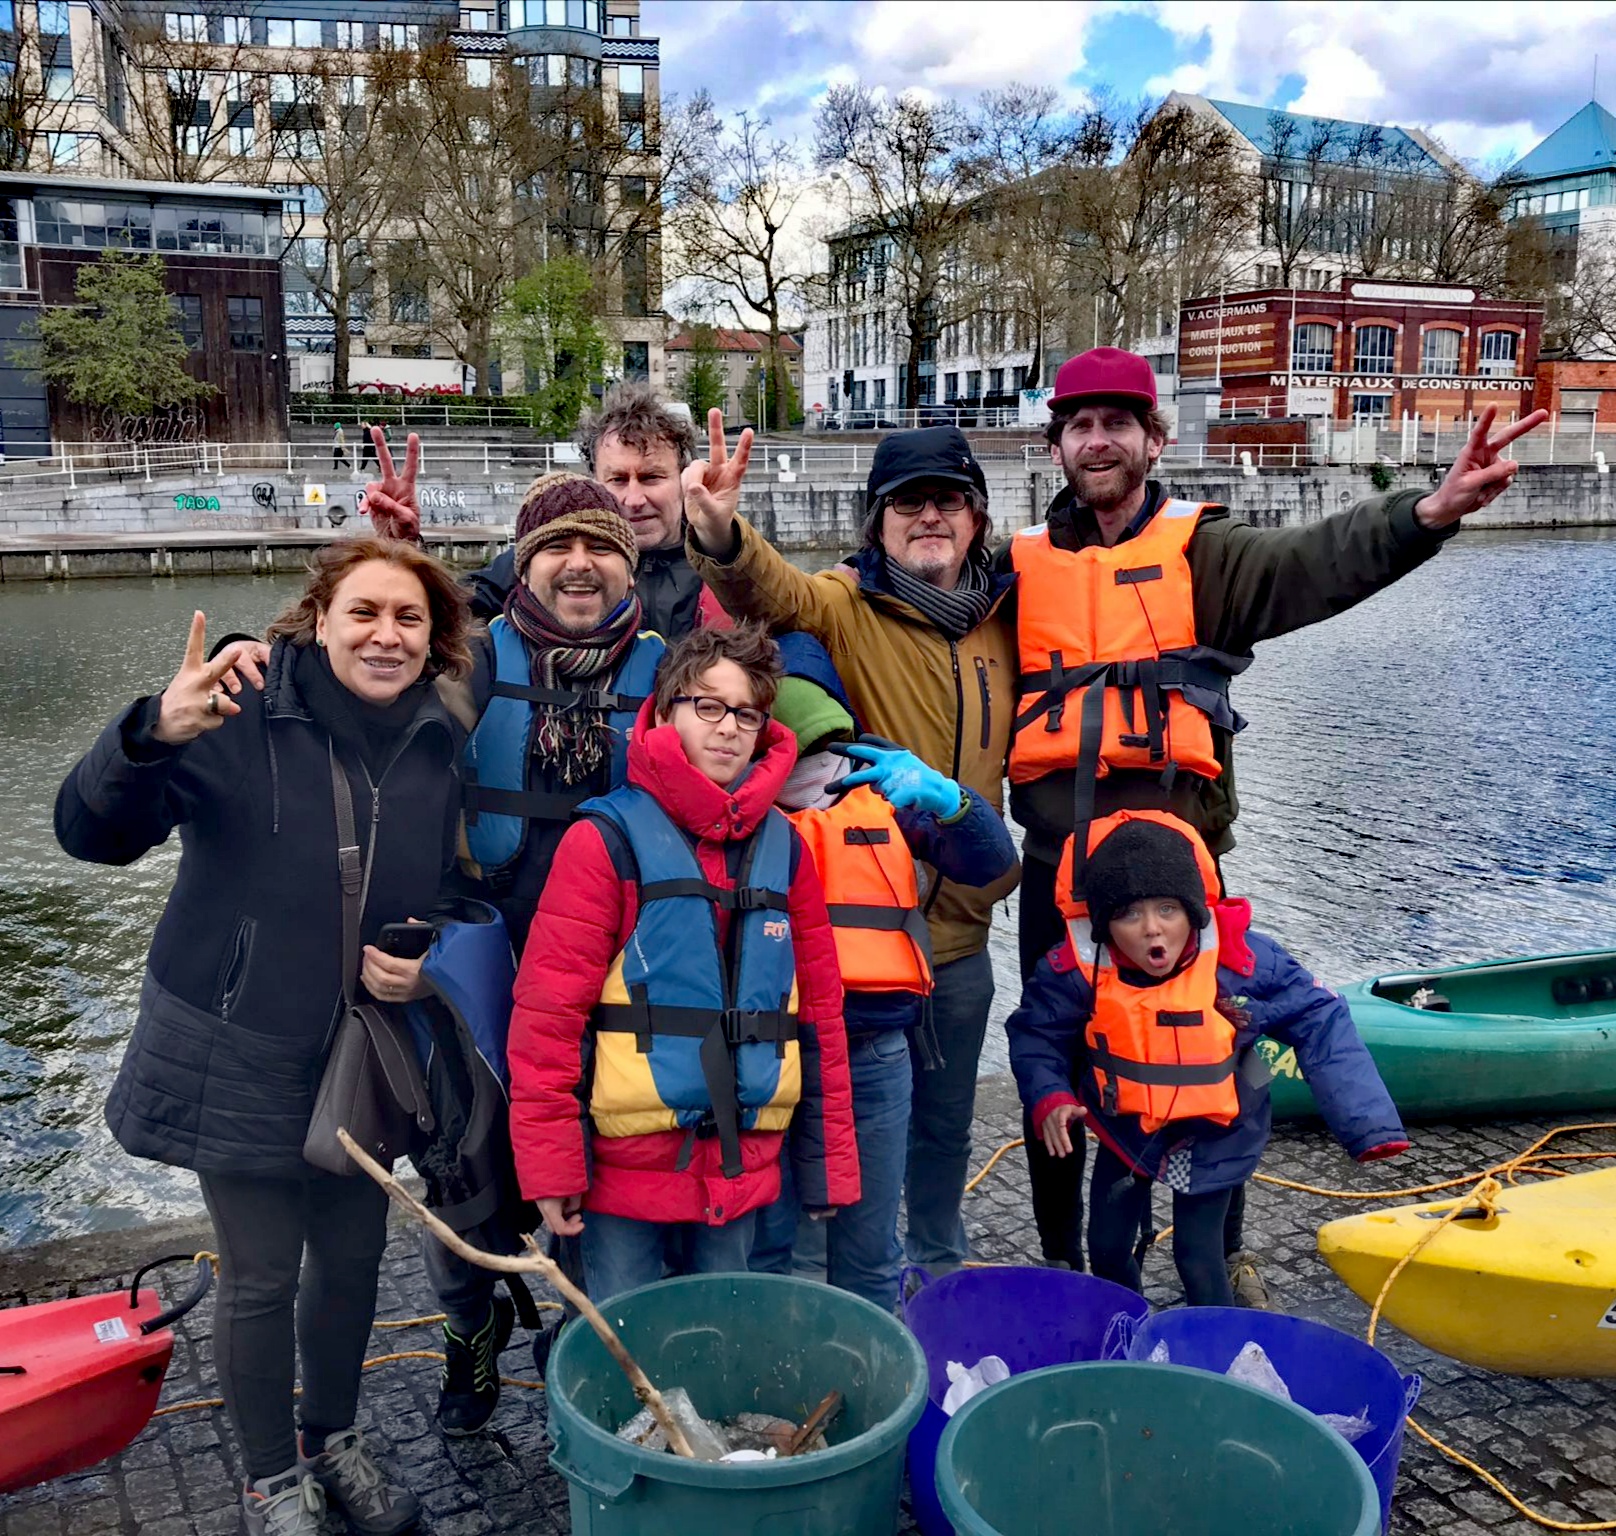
[1109, 488]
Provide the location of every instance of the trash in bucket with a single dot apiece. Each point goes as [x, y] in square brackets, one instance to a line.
[1122, 1447]
[739, 1344]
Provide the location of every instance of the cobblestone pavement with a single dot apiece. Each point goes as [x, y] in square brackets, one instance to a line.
[1553, 1442]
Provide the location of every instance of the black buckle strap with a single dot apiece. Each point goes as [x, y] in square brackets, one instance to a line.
[742, 898]
[525, 804]
[572, 698]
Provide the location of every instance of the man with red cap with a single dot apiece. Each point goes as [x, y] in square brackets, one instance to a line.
[1134, 610]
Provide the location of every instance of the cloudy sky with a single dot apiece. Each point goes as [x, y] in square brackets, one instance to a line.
[1489, 79]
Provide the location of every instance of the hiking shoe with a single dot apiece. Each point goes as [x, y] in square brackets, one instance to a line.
[1246, 1282]
[292, 1504]
[469, 1390]
[355, 1484]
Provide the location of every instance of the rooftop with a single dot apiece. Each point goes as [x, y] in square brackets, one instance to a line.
[1296, 135]
[727, 340]
[1585, 141]
[17, 183]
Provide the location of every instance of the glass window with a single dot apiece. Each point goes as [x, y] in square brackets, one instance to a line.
[1374, 348]
[634, 135]
[280, 33]
[973, 384]
[350, 36]
[634, 188]
[479, 73]
[1371, 407]
[951, 386]
[8, 16]
[555, 12]
[306, 34]
[1439, 352]
[246, 324]
[282, 88]
[240, 131]
[53, 19]
[622, 26]
[235, 31]
[397, 34]
[636, 359]
[630, 79]
[995, 381]
[184, 27]
[1314, 348]
[63, 148]
[59, 82]
[188, 311]
[1498, 350]
[473, 21]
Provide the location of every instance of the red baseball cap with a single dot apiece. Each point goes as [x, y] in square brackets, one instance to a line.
[1104, 371]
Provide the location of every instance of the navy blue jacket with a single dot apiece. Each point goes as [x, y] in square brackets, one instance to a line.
[1269, 993]
[975, 850]
[244, 976]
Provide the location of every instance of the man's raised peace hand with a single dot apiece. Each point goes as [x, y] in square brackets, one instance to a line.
[1478, 475]
[712, 486]
[391, 501]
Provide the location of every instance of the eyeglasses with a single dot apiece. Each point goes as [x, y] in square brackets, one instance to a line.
[713, 710]
[912, 504]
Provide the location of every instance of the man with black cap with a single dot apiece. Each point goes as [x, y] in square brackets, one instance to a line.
[1134, 611]
[916, 627]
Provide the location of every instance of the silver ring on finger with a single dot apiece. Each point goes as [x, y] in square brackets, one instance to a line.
[213, 702]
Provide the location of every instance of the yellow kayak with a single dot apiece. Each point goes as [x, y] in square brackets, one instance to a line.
[1530, 1291]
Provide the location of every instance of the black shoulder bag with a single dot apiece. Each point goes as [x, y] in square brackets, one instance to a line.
[372, 1086]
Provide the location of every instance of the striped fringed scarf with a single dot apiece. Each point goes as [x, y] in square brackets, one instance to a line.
[571, 740]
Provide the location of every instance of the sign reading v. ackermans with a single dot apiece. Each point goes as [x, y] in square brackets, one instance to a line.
[1215, 339]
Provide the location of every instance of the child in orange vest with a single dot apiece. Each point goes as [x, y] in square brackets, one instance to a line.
[882, 827]
[1142, 1023]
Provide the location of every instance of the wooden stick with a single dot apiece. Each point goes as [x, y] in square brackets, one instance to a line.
[534, 1261]
[829, 1407]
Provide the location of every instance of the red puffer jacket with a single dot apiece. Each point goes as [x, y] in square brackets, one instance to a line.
[584, 919]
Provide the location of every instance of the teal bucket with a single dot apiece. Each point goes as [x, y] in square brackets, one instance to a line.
[738, 1344]
[1123, 1448]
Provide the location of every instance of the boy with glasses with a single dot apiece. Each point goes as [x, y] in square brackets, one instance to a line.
[680, 1004]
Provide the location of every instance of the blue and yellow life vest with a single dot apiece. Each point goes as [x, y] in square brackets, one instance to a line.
[689, 1034]
[498, 801]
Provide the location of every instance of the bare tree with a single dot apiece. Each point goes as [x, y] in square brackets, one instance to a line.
[1159, 198]
[912, 167]
[729, 215]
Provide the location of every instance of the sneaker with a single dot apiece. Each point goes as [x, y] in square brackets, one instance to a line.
[1246, 1282]
[355, 1484]
[292, 1504]
[469, 1391]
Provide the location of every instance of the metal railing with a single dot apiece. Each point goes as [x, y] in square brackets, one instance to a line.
[452, 411]
[885, 418]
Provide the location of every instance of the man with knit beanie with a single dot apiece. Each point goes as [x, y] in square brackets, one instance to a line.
[558, 680]
[882, 828]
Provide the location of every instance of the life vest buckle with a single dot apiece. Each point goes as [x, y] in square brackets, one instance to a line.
[750, 898]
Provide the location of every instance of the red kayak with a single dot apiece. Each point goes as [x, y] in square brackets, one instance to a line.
[79, 1378]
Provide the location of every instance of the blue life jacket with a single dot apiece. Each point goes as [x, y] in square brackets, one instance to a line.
[691, 1034]
[498, 801]
[460, 1033]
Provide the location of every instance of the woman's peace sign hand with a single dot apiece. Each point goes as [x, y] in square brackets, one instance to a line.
[391, 501]
[199, 699]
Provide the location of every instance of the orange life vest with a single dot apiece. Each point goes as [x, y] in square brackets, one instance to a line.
[870, 888]
[1112, 674]
[1161, 1052]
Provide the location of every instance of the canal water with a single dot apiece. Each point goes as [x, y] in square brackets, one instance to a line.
[1426, 778]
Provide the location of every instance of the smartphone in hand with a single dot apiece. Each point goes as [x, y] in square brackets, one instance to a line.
[406, 941]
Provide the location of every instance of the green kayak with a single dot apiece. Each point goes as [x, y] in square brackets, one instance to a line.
[1499, 1037]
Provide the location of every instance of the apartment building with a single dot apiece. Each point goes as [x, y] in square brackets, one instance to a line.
[274, 93]
[740, 357]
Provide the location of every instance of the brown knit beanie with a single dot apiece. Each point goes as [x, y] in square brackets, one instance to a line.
[563, 505]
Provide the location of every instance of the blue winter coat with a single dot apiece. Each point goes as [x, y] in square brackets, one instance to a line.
[1267, 991]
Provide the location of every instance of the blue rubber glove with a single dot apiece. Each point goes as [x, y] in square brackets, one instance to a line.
[902, 779]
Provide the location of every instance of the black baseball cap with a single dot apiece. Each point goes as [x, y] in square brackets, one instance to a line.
[932, 453]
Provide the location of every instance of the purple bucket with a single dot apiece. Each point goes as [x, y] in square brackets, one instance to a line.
[1028, 1317]
[1326, 1370]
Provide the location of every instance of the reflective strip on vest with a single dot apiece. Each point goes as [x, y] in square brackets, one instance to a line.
[689, 1034]
[496, 763]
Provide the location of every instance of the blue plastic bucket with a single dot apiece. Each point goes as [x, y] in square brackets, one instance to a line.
[1327, 1371]
[1028, 1317]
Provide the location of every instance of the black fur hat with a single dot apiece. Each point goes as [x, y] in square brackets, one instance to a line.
[1142, 859]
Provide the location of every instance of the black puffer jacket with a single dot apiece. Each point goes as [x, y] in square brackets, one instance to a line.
[243, 979]
[670, 591]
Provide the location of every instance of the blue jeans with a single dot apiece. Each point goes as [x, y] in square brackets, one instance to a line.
[858, 1250]
[944, 1103]
[621, 1254]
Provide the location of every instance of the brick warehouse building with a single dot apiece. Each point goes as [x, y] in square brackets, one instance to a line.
[1375, 351]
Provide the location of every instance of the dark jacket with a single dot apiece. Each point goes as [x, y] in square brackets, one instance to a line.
[583, 923]
[1251, 584]
[948, 701]
[243, 978]
[1265, 991]
[669, 590]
